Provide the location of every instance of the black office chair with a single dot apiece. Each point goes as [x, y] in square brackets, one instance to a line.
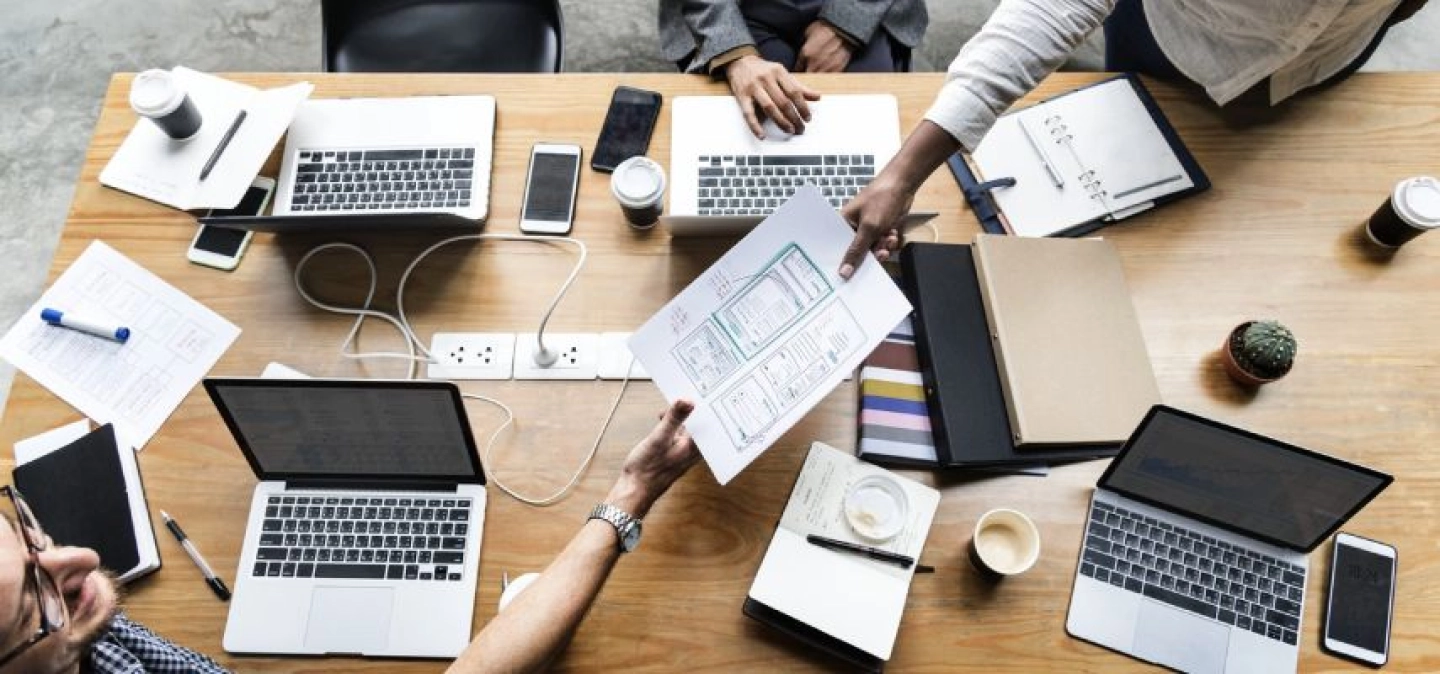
[489, 36]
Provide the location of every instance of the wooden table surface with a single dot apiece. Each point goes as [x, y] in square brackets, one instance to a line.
[1275, 237]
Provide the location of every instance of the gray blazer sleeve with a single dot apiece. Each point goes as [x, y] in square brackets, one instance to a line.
[708, 28]
[905, 20]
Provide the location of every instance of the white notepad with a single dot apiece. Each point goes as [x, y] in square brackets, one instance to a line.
[1094, 154]
[856, 600]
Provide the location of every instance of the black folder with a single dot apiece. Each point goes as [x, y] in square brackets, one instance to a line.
[80, 496]
[957, 364]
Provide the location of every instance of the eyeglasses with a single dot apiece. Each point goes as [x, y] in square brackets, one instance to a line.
[50, 602]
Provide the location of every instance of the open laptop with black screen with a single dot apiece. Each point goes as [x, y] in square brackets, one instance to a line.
[1195, 550]
[364, 532]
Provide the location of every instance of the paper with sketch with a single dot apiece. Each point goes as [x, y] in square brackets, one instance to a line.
[136, 385]
[155, 166]
[768, 331]
[850, 597]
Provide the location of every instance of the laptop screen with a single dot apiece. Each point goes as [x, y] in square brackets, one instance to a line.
[316, 428]
[1239, 480]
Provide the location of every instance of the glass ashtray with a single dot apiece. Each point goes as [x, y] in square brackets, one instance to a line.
[876, 507]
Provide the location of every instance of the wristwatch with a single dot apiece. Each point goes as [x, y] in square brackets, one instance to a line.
[626, 525]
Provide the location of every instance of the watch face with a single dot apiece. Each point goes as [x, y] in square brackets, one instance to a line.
[630, 537]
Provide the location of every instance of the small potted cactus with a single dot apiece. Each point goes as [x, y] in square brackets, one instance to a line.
[1259, 352]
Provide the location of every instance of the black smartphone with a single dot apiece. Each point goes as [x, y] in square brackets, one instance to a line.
[628, 125]
[1361, 601]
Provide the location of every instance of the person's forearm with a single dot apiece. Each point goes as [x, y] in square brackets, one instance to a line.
[539, 623]
[1021, 43]
[927, 147]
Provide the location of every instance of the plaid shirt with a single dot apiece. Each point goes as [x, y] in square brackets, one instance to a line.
[130, 648]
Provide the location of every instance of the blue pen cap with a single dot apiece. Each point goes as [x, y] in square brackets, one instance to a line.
[53, 316]
[122, 335]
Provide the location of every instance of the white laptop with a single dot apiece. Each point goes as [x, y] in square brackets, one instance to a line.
[1195, 551]
[424, 154]
[364, 532]
[725, 181]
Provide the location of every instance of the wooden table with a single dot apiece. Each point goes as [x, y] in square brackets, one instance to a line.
[1276, 237]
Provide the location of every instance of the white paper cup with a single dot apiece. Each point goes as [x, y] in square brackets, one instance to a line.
[158, 96]
[638, 183]
[1005, 543]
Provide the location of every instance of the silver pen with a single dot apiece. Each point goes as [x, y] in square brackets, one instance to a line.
[1044, 157]
[216, 585]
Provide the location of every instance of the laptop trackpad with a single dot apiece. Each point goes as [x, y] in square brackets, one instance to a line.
[1178, 639]
[349, 619]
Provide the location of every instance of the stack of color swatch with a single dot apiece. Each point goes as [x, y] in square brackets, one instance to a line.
[894, 421]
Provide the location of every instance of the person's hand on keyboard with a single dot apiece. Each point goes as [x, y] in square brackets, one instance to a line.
[769, 88]
[656, 462]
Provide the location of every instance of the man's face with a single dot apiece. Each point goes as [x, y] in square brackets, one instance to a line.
[89, 594]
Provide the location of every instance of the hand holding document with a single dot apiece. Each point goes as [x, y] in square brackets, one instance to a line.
[768, 331]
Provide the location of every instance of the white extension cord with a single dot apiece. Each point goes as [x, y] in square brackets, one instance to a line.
[413, 344]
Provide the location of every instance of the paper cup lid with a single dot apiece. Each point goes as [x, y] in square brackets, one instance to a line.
[637, 182]
[155, 93]
[876, 507]
[1417, 200]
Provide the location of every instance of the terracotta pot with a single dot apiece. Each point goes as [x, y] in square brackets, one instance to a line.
[1232, 367]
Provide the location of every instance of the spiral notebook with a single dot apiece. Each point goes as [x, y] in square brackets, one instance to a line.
[1071, 164]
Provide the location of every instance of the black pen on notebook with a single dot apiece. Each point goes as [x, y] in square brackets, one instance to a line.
[873, 553]
[210, 578]
[224, 143]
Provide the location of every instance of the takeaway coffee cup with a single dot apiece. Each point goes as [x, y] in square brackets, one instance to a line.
[1412, 209]
[1005, 543]
[638, 183]
[159, 96]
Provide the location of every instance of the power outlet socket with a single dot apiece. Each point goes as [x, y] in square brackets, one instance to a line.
[471, 355]
[615, 357]
[579, 355]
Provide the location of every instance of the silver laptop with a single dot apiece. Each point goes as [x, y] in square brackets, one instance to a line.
[424, 154]
[1195, 550]
[725, 181]
[364, 532]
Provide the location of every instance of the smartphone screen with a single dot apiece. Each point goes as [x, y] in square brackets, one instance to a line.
[552, 179]
[628, 125]
[227, 242]
[1360, 595]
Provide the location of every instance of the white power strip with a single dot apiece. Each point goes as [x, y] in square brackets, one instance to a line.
[505, 355]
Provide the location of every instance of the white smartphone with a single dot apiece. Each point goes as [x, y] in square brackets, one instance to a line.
[221, 248]
[1362, 599]
[550, 187]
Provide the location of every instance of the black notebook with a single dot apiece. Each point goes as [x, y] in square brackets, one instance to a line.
[957, 364]
[1078, 161]
[87, 493]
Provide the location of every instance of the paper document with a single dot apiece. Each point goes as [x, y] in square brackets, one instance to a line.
[153, 165]
[768, 331]
[136, 385]
[850, 597]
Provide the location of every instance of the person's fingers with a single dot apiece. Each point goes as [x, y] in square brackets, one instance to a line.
[747, 109]
[796, 93]
[855, 254]
[788, 117]
[767, 106]
[802, 61]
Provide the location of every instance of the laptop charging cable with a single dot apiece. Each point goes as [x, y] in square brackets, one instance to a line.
[416, 352]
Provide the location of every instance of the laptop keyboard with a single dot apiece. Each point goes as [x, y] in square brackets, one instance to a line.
[388, 180]
[756, 184]
[1197, 573]
[334, 536]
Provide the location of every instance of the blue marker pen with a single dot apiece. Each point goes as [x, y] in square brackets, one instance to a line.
[67, 319]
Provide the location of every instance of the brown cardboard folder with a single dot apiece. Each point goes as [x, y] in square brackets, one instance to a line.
[1072, 361]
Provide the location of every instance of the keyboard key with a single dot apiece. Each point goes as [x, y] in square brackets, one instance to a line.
[459, 544]
[305, 570]
[270, 554]
[376, 571]
[1282, 620]
[1180, 601]
[260, 568]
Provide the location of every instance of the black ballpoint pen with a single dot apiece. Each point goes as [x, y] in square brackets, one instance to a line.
[210, 578]
[873, 553]
[224, 143]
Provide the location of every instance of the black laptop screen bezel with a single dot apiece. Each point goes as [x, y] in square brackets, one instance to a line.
[1157, 410]
[214, 384]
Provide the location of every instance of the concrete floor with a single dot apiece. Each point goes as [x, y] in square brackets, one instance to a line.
[58, 56]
